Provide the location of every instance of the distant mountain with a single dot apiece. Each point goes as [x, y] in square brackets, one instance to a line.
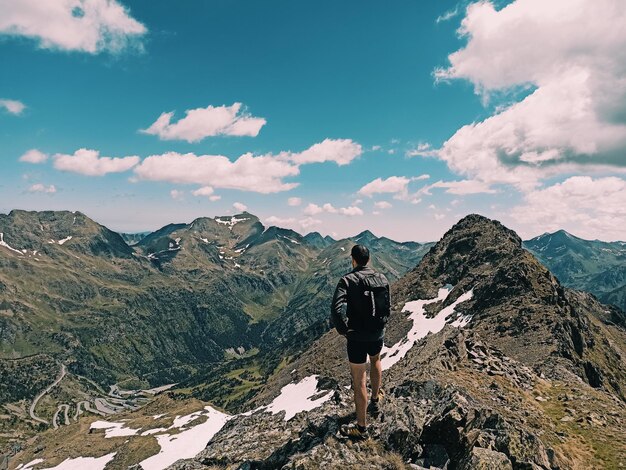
[489, 363]
[590, 265]
[133, 238]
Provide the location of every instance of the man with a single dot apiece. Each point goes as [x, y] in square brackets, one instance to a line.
[365, 294]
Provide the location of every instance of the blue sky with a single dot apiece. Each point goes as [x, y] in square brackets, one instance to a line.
[371, 83]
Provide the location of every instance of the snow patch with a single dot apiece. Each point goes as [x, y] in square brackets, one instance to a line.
[343, 249]
[291, 240]
[152, 431]
[230, 221]
[66, 239]
[113, 429]
[296, 397]
[186, 444]
[80, 463]
[6, 245]
[29, 465]
[423, 325]
[205, 240]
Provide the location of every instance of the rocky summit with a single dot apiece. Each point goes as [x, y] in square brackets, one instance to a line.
[489, 363]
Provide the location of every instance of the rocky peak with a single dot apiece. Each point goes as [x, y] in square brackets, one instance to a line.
[365, 238]
[315, 239]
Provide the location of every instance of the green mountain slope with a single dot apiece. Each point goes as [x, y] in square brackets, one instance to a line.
[590, 265]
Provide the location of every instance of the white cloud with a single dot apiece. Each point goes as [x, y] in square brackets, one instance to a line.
[396, 185]
[294, 201]
[240, 206]
[391, 185]
[382, 205]
[461, 187]
[89, 25]
[203, 191]
[292, 222]
[206, 122]
[90, 163]
[448, 15]
[590, 208]
[177, 194]
[274, 220]
[439, 216]
[314, 209]
[34, 156]
[41, 188]
[571, 56]
[423, 149]
[309, 222]
[262, 174]
[340, 151]
[350, 211]
[12, 106]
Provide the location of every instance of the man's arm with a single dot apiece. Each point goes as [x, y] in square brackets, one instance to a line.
[339, 300]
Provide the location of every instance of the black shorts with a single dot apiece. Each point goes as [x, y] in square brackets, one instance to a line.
[359, 350]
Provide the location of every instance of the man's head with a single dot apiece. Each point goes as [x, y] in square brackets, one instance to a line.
[360, 255]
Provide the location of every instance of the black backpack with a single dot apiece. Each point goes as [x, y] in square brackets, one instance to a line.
[372, 307]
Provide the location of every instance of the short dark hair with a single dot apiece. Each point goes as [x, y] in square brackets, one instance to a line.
[360, 254]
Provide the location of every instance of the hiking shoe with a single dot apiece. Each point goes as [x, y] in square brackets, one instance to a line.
[373, 407]
[354, 431]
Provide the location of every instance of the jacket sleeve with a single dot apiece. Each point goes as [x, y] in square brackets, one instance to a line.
[339, 301]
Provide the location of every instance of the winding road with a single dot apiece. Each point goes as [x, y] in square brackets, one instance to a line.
[56, 415]
[42, 394]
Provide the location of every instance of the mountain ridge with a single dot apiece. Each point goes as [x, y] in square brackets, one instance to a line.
[489, 363]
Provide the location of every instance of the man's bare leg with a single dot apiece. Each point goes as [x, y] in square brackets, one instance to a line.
[376, 374]
[359, 384]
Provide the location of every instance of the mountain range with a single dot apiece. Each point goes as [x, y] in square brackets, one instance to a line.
[590, 265]
[489, 363]
[178, 303]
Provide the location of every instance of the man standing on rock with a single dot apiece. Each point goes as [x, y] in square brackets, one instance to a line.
[365, 293]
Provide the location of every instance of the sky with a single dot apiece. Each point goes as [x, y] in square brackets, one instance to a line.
[399, 117]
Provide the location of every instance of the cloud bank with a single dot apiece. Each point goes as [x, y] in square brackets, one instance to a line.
[570, 55]
[90, 26]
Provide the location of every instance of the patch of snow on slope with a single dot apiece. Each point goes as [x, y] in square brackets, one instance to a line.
[113, 429]
[66, 239]
[230, 221]
[81, 463]
[296, 397]
[29, 465]
[152, 431]
[186, 444]
[423, 325]
[6, 245]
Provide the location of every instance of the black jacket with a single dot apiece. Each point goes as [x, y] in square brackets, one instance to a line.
[346, 288]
